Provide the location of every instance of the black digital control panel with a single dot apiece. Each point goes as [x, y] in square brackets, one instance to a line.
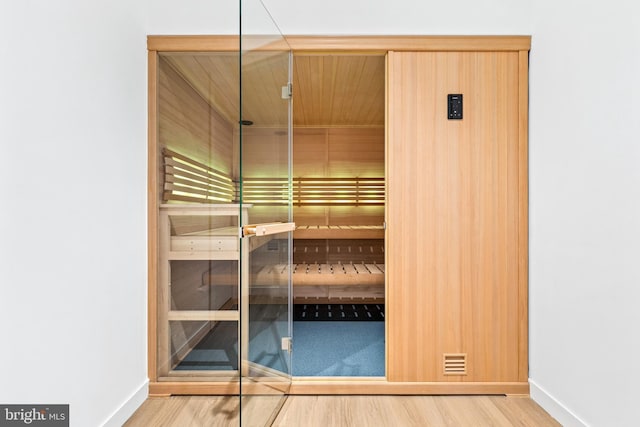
[454, 106]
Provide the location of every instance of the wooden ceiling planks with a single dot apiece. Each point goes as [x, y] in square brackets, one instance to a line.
[329, 90]
[339, 90]
[214, 77]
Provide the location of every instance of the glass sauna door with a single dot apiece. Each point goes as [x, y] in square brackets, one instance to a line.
[265, 196]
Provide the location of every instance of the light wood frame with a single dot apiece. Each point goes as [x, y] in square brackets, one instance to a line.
[344, 44]
[347, 44]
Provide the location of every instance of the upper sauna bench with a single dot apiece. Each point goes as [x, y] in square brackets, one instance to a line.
[339, 232]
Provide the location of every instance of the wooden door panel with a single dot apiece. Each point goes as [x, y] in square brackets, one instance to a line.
[452, 216]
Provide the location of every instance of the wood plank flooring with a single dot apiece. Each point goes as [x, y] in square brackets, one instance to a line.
[347, 411]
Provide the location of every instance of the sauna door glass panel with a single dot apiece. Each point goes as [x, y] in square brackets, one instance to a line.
[217, 351]
[198, 286]
[265, 188]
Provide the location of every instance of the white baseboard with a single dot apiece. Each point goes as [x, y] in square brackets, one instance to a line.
[128, 407]
[554, 407]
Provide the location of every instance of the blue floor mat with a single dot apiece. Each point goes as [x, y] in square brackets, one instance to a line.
[332, 348]
[219, 349]
[338, 348]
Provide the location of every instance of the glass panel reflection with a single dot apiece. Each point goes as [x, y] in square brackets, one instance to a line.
[204, 285]
[265, 161]
[204, 346]
[269, 302]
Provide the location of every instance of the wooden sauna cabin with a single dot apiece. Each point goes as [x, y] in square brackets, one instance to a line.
[397, 197]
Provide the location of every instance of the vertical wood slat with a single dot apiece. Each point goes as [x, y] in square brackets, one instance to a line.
[523, 219]
[453, 209]
[163, 298]
[388, 71]
[152, 219]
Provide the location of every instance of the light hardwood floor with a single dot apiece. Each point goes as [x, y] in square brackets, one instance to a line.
[348, 411]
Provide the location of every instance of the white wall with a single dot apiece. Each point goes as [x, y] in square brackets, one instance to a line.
[73, 203]
[401, 16]
[193, 16]
[585, 210]
[73, 174]
[73, 99]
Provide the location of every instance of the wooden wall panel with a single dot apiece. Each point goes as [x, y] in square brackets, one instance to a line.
[452, 215]
[356, 152]
[264, 155]
[188, 125]
[264, 152]
[338, 152]
[358, 215]
[310, 152]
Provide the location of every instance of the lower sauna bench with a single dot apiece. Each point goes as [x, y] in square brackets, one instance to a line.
[332, 269]
[350, 274]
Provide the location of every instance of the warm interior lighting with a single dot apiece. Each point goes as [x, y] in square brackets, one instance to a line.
[187, 180]
[315, 191]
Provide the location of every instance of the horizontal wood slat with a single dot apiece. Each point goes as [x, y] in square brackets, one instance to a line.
[172, 179]
[202, 315]
[169, 187]
[188, 180]
[315, 191]
[189, 163]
